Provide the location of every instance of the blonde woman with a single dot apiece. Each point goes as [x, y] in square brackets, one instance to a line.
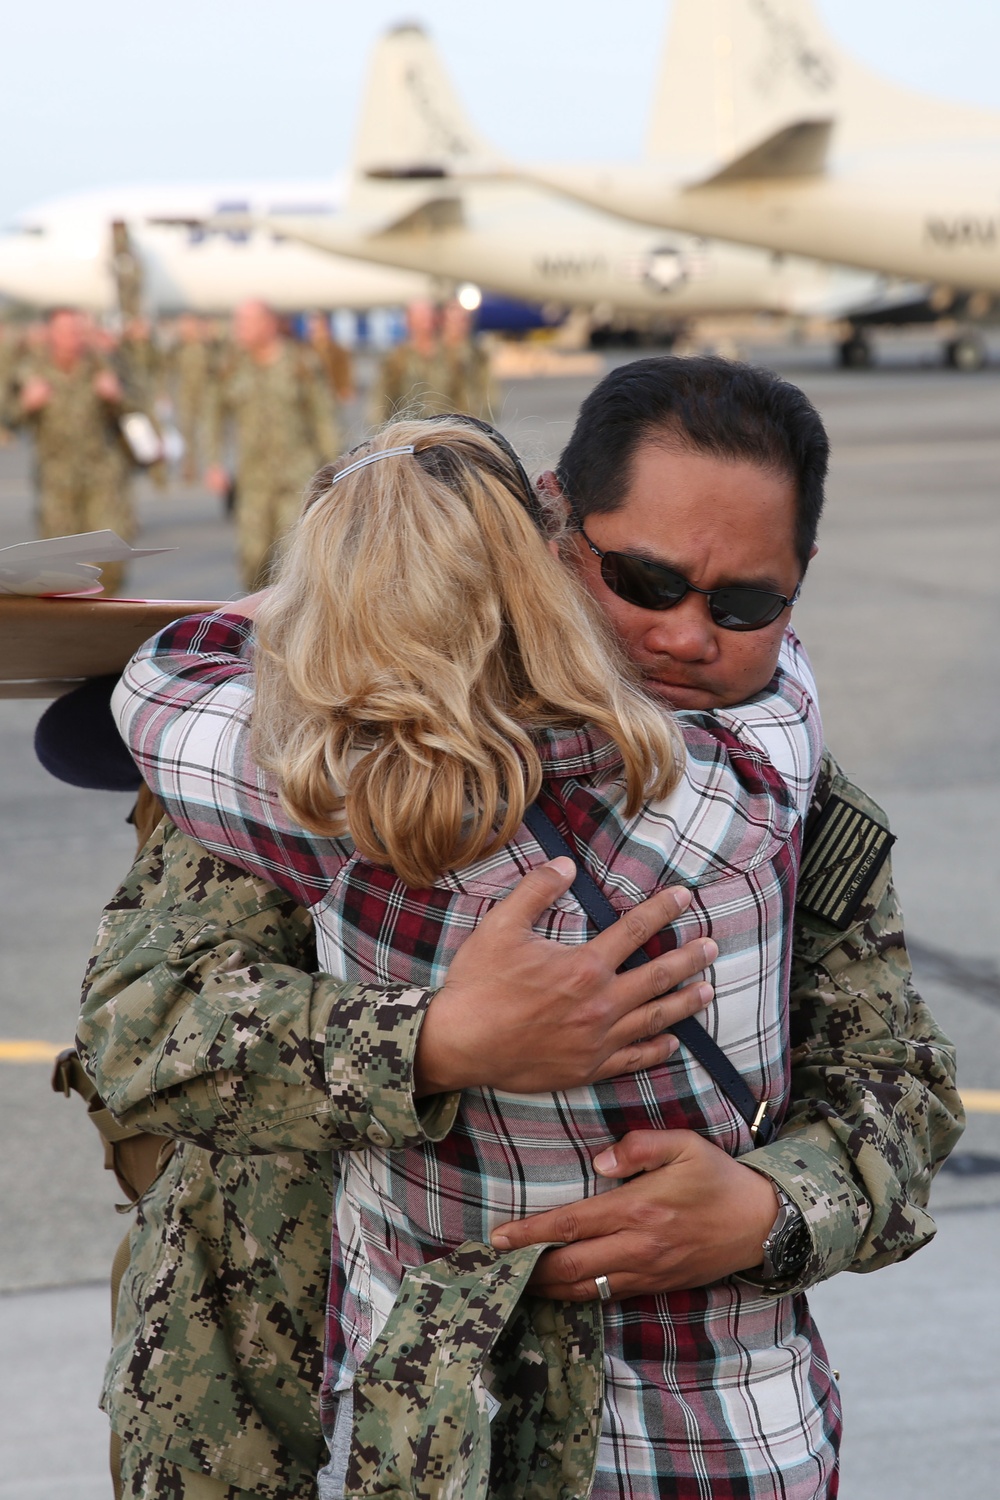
[425, 667]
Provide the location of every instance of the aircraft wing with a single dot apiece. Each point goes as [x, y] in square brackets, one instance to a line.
[866, 297]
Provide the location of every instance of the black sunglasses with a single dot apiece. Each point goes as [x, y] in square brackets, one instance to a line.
[650, 585]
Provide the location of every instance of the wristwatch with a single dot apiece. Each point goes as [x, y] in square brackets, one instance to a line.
[787, 1246]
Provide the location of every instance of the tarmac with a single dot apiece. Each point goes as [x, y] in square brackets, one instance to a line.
[900, 615]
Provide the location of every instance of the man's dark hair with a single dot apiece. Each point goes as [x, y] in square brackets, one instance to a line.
[706, 405]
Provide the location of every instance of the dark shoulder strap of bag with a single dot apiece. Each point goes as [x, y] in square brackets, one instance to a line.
[689, 1031]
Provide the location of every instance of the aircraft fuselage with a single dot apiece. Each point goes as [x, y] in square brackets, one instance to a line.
[516, 243]
[940, 223]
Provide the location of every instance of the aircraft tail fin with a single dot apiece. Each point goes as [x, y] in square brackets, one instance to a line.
[412, 123]
[737, 72]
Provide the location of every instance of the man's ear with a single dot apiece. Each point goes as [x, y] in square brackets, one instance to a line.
[547, 484]
[813, 550]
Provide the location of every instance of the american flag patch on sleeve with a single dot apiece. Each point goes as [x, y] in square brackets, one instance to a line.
[844, 851]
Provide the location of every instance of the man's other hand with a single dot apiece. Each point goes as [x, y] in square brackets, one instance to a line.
[693, 1216]
[531, 1015]
[35, 394]
[108, 387]
[216, 479]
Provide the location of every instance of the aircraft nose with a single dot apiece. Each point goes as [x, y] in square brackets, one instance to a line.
[43, 273]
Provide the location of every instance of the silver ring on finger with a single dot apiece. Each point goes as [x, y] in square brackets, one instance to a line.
[603, 1288]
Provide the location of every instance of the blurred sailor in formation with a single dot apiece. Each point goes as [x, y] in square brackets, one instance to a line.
[141, 363]
[65, 393]
[275, 396]
[11, 350]
[438, 368]
[470, 382]
[189, 379]
[270, 401]
[334, 359]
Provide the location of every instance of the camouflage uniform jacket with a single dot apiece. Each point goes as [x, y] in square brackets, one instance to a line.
[181, 1040]
[76, 430]
[413, 384]
[284, 416]
[141, 367]
[470, 381]
[10, 358]
[189, 372]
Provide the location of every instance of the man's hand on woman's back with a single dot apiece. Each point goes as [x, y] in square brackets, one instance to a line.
[524, 1014]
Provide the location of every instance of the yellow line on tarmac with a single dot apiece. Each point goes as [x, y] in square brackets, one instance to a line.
[30, 1052]
[982, 1101]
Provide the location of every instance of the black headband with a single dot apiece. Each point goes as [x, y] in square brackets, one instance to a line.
[529, 498]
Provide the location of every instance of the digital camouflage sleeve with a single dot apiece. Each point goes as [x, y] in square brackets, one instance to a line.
[198, 1021]
[201, 1020]
[874, 1108]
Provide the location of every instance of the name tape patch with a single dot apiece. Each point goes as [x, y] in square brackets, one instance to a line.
[844, 851]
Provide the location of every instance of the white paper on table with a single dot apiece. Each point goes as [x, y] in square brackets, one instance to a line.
[64, 564]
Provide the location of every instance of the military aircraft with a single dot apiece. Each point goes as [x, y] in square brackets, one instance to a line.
[405, 207]
[764, 131]
[60, 253]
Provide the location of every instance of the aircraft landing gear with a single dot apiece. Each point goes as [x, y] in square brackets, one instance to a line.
[967, 353]
[856, 352]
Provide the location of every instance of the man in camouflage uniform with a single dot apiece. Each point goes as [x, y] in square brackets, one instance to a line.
[470, 382]
[333, 357]
[873, 1110]
[193, 1026]
[70, 399]
[190, 374]
[10, 357]
[415, 377]
[141, 361]
[278, 399]
[127, 270]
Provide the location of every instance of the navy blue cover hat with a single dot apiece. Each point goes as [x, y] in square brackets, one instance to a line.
[77, 740]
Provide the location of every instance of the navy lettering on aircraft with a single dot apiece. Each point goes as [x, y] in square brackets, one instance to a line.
[970, 233]
[790, 49]
[566, 266]
[198, 234]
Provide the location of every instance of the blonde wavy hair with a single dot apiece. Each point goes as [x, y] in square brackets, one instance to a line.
[418, 633]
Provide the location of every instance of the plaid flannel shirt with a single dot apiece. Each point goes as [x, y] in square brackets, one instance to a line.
[721, 1390]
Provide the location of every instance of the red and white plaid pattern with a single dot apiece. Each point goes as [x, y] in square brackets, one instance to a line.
[714, 1392]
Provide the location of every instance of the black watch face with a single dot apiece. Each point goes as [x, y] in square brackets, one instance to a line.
[792, 1249]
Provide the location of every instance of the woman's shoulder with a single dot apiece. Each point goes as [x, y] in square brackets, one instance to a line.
[741, 796]
[773, 741]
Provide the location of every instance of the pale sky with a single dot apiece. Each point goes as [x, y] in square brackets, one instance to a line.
[116, 91]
